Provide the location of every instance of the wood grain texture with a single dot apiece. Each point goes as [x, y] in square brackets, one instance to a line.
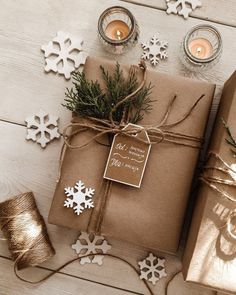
[217, 11]
[59, 284]
[24, 26]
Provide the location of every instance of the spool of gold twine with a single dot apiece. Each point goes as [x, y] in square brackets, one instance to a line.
[25, 230]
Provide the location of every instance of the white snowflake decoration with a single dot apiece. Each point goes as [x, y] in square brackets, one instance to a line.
[81, 197]
[91, 244]
[152, 268]
[182, 7]
[154, 50]
[42, 128]
[61, 52]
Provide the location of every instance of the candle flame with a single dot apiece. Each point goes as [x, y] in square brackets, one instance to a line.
[118, 34]
[199, 50]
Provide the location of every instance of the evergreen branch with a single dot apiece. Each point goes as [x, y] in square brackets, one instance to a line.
[231, 141]
[87, 99]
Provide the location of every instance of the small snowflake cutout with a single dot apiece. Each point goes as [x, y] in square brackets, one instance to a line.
[91, 244]
[155, 50]
[64, 54]
[182, 7]
[152, 268]
[81, 197]
[42, 128]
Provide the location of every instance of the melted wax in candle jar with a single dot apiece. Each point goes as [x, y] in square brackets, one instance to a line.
[117, 30]
[201, 48]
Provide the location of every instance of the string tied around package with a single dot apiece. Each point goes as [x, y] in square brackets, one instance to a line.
[218, 183]
[157, 133]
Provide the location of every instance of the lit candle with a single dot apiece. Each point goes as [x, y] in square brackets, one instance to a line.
[201, 48]
[117, 30]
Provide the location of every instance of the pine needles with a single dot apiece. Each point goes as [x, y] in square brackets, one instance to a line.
[87, 99]
[231, 141]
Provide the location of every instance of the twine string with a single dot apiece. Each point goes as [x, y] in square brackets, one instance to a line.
[25, 230]
[214, 182]
[53, 272]
[157, 134]
[29, 244]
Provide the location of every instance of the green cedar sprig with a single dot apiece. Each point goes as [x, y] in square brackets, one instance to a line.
[231, 141]
[88, 99]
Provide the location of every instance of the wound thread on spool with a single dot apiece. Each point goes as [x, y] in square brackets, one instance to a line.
[25, 230]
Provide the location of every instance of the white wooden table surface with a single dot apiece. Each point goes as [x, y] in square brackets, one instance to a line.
[24, 26]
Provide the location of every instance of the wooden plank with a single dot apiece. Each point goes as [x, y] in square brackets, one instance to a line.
[25, 86]
[59, 284]
[30, 168]
[217, 11]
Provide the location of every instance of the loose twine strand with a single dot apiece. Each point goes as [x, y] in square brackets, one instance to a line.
[214, 181]
[28, 240]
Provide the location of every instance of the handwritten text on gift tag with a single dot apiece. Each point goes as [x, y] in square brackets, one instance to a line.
[128, 157]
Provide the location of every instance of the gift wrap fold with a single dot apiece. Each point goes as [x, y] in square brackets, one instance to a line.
[210, 255]
[151, 216]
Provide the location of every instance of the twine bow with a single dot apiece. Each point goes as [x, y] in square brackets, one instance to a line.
[157, 133]
[214, 183]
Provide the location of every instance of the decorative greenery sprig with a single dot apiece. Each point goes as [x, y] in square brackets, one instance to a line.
[88, 99]
[231, 141]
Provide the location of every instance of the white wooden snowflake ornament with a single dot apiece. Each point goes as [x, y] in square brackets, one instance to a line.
[155, 50]
[78, 197]
[64, 54]
[91, 244]
[42, 128]
[182, 7]
[152, 268]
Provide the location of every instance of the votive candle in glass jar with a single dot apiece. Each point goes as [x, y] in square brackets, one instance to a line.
[201, 48]
[118, 29]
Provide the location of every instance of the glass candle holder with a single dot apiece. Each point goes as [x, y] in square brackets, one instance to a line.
[201, 48]
[117, 29]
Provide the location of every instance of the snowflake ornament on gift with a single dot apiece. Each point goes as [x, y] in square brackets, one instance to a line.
[152, 268]
[182, 7]
[155, 50]
[91, 244]
[79, 197]
[64, 54]
[42, 128]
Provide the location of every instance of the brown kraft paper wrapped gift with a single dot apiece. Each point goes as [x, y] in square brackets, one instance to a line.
[210, 255]
[150, 216]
